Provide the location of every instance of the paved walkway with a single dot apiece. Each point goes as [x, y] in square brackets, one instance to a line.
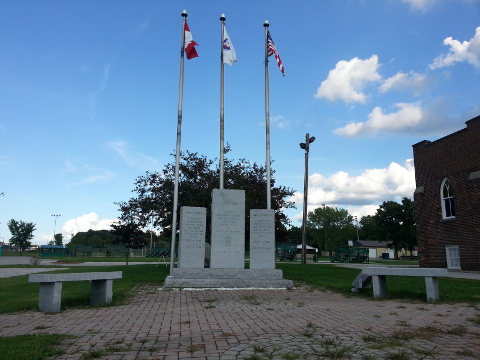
[273, 324]
[257, 324]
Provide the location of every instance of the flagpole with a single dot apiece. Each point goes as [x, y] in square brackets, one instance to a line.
[267, 118]
[222, 123]
[177, 151]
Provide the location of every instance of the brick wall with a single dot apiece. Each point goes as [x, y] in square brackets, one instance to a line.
[455, 157]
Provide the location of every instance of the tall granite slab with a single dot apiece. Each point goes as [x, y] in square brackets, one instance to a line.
[191, 246]
[228, 229]
[262, 239]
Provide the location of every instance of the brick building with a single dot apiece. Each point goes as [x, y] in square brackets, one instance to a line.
[447, 199]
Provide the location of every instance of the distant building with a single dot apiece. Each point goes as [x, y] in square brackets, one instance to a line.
[447, 199]
[376, 249]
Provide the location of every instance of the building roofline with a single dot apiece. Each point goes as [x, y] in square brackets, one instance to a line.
[428, 142]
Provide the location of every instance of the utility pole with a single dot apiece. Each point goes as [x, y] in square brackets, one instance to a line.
[306, 147]
[55, 226]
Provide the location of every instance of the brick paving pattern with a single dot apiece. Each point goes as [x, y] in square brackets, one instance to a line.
[258, 324]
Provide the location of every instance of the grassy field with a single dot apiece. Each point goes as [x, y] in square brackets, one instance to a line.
[18, 294]
[31, 347]
[339, 279]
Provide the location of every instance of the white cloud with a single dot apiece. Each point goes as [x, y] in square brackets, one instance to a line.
[468, 51]
[279, 122]
[85, 174]
[43, 239]
[347, 81]
[436, 119]
[85, 223]
[416, 83]
[133, 158]
[407, 117]
[105, 175]
[420, 5]
[361, 194]
[93, 95]
[70, 167]
[142, 27]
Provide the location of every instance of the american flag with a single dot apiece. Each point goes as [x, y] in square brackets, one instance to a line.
[273, 50]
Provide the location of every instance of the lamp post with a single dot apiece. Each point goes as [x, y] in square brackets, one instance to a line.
[306, 147]
[55, 226]
[356, 219]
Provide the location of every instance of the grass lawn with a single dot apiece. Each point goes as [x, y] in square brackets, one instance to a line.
[18, 294]
[31, 347]
[339, 279]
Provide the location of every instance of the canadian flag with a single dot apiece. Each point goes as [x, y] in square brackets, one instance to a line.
[190, 44]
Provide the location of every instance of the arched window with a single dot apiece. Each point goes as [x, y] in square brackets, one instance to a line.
[446, 193]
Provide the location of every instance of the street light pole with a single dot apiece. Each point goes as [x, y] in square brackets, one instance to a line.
[356, 219]
[55, 226]
[306, 147]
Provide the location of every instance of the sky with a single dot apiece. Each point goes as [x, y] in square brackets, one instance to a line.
[89, 98]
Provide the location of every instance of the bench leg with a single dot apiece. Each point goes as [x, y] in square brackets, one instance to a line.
[50, 296]
[431, 284]
[379, 283]
[101, 292]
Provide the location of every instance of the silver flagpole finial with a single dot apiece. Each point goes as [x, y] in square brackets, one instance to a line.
[222, 17]
[184, 13]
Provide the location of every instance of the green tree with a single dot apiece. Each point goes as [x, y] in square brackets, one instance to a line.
[295, 236]
[332, 227]
[198, 176]
[95, 238]
[128, 234]
[368, 229]
[59, 239]
[396, 222]
[22, 233]
[409, 230]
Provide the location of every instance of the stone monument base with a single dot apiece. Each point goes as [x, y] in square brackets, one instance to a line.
[227, 278]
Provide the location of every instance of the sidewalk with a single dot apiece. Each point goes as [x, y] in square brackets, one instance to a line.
[273, 324]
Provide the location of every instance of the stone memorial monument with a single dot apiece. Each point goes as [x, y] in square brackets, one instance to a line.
[262, 239]
[227, 262]
[191, 246]
[228, 229]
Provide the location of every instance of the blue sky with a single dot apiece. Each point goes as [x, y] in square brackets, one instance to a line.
[89, 96]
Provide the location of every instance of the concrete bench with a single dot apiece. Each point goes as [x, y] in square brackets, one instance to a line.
[378, 277]
[50, 294]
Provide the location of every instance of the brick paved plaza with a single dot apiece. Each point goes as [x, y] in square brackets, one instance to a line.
[258, 324]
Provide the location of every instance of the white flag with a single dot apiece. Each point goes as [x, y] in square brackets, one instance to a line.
[229, 55]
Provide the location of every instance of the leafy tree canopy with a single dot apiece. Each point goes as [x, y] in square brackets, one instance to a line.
[58, 239]
[368, 228]
[128, 234]
[396, 222]
[332, 227]
[95, 238]
[198, 176]
[22, 233]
